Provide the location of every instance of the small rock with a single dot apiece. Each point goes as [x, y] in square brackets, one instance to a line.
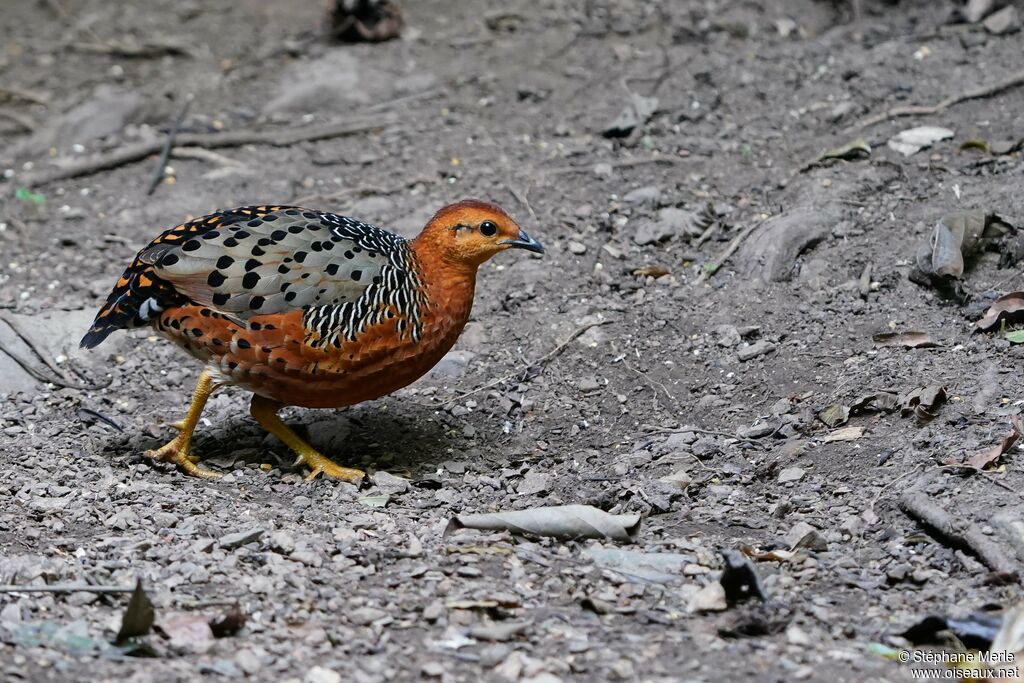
[603, 170]
[432, 669]
[453, 364]
[500, 632]
[534, 482]
[976, 10]
[433, 611]
[799, 531]
[389, 484]
[757, 431]
[588, 384]
[248, 662]
[623, 670]
[791, 474]
[364, 616]
[679, 479]
[232, 541]
[649, 194]
[812, 540]
[796, 636]
[282, 542]
[652, 232]
[319, 674]
[754, 350]
[1006, 20]
[577, 248]
[710, 598]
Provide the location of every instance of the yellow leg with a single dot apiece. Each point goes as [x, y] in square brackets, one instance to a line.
[177, 450]
[265, 412]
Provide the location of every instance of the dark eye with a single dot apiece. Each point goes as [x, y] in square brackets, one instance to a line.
[488, 229]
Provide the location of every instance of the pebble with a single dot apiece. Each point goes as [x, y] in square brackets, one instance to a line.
[588, 384]
[319, 674]
[648, 194]
[232, 541]
[754, 350]
[710, 598]
[577, 248]
[791, 474]
[364, 616]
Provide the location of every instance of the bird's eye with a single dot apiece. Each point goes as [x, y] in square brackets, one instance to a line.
[488, 229]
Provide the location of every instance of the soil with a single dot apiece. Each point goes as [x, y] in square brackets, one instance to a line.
[694, 403]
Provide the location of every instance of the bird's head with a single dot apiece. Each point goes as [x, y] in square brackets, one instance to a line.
[467, 233]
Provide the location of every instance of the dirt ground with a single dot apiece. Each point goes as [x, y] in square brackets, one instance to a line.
[694, 402]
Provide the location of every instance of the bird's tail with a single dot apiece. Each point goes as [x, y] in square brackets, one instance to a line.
[137, 298]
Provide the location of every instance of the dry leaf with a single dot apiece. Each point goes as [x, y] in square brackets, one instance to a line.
[845, 434]
[562, 521]
[882, 401]
[989, 456]
[911, 340]
[913, 140]
[923, 402]
[138, 615]
[1004, 307]
[834, 415]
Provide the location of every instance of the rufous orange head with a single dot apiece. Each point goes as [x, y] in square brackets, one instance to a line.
[469, 232]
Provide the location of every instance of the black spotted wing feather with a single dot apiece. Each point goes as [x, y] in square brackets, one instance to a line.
[282, 261]
[344, 274]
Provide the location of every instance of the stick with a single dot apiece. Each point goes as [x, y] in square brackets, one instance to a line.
[66, 588]
[956, 532]
[540, 361]
[165, 153]
[733, 246]
[25, 122]
[1011, 81]
[21, 94]
[31, 369]
[140, 150]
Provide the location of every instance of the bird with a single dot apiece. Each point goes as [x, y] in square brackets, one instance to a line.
[305, 308]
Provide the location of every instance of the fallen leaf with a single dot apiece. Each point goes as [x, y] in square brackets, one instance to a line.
[374, 501]
[974, 145]
[1005, 307]
[138, 615]
[939, 262]
[989, 456]
[1015, 337]
[911, 340]
[562, 521]
[923, 403]
[845, 434]
[834, 415]
[854, 149]
[913, 140]
[882, 401]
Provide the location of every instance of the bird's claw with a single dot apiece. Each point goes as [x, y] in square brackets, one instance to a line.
[334, 471]
[177, 451]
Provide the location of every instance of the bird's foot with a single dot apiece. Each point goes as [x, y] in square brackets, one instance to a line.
[177, 452]
[319, 464]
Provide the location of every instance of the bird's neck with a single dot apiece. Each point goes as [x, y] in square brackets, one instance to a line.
[449, 286]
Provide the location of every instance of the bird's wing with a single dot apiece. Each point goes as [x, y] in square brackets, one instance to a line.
[251, 261]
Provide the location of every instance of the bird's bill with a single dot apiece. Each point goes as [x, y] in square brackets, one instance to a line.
[524, 241]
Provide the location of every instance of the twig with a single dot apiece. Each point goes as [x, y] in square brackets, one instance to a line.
[21, 94]
[27, 366]
[145, 50]
[20, 119]
[67, 588]
[31, 343]
[955, 531]
[547, 357]
[278, 138]
[708, 232]
[1011, 81]
[102, 418]
[724, 256]
[892, 483]
[165, 153]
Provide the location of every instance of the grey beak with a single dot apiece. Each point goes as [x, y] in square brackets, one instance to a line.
[524, 241]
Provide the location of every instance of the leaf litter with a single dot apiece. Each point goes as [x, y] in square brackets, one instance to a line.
[562, 521]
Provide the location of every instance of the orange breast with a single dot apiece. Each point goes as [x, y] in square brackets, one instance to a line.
[271, 357]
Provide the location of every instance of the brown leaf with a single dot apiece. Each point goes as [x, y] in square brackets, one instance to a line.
[911, 340]
[923, 403]
[989, 456]
[138, 615]
[1007, 305]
